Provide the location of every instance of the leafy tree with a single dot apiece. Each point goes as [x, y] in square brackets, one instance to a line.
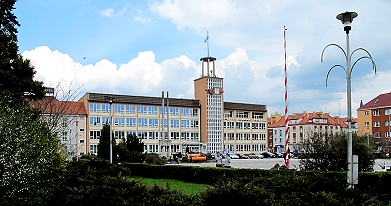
[104, 143]
[30, 153]
[326, 152]
[131, 149]
[16, 73]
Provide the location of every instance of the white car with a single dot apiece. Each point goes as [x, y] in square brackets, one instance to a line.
[255, 156]
[234, 156]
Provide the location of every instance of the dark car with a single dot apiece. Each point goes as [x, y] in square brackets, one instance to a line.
[278, 154]
[268, 155]
[242, 156]
[210, 156]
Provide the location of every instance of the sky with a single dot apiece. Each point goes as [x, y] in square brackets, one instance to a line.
[146, 47]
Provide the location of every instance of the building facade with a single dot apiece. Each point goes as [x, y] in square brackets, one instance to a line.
[300, 126]
[374, 119]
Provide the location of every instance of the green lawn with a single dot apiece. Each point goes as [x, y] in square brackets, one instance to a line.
[184, 187]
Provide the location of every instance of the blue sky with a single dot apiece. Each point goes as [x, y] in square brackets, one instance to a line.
[145, 47]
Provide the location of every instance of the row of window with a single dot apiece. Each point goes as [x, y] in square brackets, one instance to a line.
[255, 115]
[131, 109]
[245, 125]
[377, 112]
[149, 135]
[377, 124]
[143, 122]
[250, 147]
[378, 134]
[244, 136]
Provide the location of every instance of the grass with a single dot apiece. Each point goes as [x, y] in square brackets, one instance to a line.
[184, 187]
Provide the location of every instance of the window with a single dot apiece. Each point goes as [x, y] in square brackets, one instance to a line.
[105, 120]
[81, 141]
[94, 121]
[366, 113]
[262, 126]
[119, 134]
[185, 123]
[131, 122]
[227, 114]
[142, 122]
[174, 123]
[81, 130]
[130, 109]
[153, 135]
[119, 121]
[152, 109]
[366, 124]
[94, 107]
[376, 134]
[257, 115]
[165, 110]
[106, 108]
[94, 135]
[118, 108]
[153, 122]
[255, 125]
[242, 114]
[387, 112]
[142, 109]
[376, 112]
[387, 123]
[94, 149]
[388, 134]
[184, 112]
[174, 111]
[142, 135]
[376, 124]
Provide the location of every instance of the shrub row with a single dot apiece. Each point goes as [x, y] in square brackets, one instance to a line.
[101, 183]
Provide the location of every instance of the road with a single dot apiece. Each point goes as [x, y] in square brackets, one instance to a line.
[269, 163]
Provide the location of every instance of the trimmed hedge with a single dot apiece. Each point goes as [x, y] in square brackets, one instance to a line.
[101, 183]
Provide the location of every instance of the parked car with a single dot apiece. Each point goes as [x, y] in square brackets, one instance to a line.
[268, 155]
[242, 156]
[255, 156]
[278, 154]
[234, 156]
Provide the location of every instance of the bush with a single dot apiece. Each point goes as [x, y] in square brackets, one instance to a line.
[153, 158]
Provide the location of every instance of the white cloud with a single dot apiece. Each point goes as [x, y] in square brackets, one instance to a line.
[108, 12]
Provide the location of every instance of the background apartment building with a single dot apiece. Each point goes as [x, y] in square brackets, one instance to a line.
[300, 126]
[374, 119]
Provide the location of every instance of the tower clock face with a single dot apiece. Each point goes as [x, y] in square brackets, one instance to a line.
[217, 90]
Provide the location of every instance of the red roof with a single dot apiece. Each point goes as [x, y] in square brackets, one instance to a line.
[51, 105]
[382, 100]
[305, 119]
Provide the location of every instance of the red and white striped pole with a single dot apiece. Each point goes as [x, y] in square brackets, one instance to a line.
[287, 155]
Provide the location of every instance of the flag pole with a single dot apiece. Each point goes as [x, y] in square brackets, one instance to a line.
[287, 152]
[207, 41]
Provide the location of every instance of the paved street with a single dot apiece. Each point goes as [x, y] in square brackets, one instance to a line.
[269, 163]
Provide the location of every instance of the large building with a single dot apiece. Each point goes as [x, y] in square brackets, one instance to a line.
[203, 124]
[374, 119]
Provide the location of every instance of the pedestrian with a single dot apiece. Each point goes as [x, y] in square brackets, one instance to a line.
[219, 160]
[227, 161]
[170, 159]
[276, 167]
[179, 159]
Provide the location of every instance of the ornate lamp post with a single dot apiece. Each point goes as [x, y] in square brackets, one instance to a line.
[111, 133]
[347, 19]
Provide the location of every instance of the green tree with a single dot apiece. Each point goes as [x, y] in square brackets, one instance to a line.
[16, 73]
[30, 154]
[131, 149]
[326, 152]
[104, 143]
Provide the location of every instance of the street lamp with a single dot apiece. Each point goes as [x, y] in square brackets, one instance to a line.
[111, 135]
[347, 19]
